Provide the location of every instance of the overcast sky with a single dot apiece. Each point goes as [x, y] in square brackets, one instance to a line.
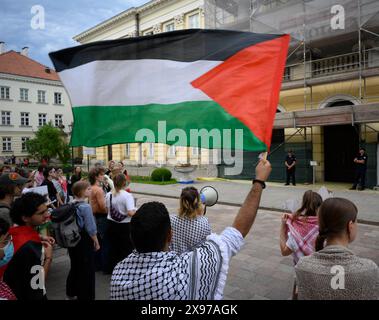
[63, 20]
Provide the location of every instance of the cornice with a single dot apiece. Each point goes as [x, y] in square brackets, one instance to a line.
[14, 77]
[108, 24]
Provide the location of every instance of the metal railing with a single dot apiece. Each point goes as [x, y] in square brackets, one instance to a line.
[332, 65]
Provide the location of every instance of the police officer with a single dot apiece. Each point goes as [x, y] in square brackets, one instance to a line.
[290, 163]
[360, 171]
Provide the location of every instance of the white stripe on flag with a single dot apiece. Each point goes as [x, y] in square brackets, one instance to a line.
[135, 82]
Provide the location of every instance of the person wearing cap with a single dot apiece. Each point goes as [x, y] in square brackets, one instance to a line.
[11, 185]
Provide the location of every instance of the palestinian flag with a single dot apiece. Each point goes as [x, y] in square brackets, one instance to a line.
[192, 79]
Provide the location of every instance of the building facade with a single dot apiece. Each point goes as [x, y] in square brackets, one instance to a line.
[31, 95]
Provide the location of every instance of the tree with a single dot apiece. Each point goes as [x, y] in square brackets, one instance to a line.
[49, 143]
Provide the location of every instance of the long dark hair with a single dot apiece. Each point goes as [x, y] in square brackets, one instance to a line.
[311, 202]
[78, 175]
[334, 216]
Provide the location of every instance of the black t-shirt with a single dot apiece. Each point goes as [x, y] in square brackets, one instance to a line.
[50, 189]
[22, 270]
[361, 165]
[290, 159]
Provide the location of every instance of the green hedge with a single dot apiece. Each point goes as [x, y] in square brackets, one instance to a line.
[161, 174]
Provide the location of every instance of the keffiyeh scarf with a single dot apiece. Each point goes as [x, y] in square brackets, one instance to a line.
[302, 234]
[168, 276]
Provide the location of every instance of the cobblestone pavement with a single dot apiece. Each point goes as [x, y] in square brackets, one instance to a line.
[257, 272]
[274, 196]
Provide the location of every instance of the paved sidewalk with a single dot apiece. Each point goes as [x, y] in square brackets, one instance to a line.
[274, 196]
[257, 272]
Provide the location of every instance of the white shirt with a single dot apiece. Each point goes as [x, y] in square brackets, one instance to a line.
[123, 202]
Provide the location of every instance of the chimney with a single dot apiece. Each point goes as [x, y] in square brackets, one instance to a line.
[2, 47]
[25, 51]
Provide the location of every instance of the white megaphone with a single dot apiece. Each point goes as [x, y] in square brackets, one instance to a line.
[208, 196]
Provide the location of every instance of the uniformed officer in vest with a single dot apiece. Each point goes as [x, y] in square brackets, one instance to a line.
[290, 163]
[360, 171]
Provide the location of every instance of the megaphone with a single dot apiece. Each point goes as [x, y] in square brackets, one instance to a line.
[208, 196]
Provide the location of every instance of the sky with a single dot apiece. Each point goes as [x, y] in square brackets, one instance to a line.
[63, 20]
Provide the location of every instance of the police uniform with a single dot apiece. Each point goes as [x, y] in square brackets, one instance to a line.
[360, 171]
[291, 172]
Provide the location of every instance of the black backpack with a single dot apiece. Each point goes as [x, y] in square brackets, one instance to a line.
[64, 223]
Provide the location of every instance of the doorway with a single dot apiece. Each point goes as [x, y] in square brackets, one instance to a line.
[341, 143]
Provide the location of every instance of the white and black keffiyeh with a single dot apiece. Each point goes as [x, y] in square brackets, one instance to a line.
[188, 233]
[197, 275]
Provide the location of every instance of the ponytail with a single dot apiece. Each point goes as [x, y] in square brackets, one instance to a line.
[320, 241]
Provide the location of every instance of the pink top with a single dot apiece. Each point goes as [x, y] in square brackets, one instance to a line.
[63, 183]
[39, 178]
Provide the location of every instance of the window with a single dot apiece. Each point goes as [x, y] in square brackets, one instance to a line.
[194, 21]
[5, 118]
[41, 96]
[41, 119]
[148, 33]
[7, 144]
[151, 150]
[169, 27]
[57, 98]
[172, 151]
[127, 150]
[4, 93]
[195, 151]
[23, 143]
[24, 94]
[58, 120]
[25, 118]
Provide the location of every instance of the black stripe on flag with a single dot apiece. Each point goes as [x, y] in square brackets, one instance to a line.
[183, 45]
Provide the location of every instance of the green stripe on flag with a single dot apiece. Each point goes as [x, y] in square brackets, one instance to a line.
[103, 125]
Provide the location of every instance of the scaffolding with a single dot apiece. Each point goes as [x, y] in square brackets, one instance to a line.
[331, 42]
[327, 39]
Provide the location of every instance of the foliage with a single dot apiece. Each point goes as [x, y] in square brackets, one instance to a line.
[161, 174]
[49, 143]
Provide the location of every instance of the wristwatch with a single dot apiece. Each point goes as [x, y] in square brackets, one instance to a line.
[262, 183]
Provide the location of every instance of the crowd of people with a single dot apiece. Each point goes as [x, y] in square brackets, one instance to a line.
[152, 254]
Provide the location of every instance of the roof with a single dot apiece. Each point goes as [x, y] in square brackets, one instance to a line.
[13, 62]
[117, 18]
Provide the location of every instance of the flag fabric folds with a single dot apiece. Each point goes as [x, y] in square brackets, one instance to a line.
[194, 79]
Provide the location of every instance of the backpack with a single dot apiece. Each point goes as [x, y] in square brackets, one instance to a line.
[115, 214]
[65, 226]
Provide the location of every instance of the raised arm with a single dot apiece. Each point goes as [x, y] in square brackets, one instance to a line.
[247, 213]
